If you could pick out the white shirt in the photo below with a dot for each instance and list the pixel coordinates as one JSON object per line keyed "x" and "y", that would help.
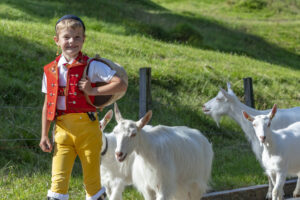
{"x": 98, "y": 72}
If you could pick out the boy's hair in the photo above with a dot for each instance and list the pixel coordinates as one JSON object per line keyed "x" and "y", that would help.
{"x": 69, "y": 21}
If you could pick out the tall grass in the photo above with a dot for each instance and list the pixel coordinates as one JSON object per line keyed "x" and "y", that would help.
{"x": 193, "y": 47}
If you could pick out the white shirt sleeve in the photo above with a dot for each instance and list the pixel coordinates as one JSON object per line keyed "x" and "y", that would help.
{"x": 100, "y": 72}
{"x": 44, "y": 83}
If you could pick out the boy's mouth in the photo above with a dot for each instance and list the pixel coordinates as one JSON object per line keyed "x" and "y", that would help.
{"x": 72, "y": 47}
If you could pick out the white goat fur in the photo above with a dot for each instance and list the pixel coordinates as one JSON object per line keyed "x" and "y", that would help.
{"x": 281, "y": 151}
{"x": 115, "y": 176}
{"x": 227, "y": 103}
{"x": 170, "y": 162}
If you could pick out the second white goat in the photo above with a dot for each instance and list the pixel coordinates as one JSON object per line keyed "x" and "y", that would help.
{"x": 281, "y": 151}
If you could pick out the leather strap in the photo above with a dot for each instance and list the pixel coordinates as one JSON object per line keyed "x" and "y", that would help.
{"x": 85, "y": 74}
{"x": 106, "y": 147}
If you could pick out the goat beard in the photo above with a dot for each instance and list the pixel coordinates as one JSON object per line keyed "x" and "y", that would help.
{"x": 217, "y": 119}
{"x": 123, "y": 167}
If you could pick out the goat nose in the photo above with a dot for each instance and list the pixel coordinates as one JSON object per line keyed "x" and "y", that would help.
{"x": 119, "y": 154}
{"x": 262, "y": 138}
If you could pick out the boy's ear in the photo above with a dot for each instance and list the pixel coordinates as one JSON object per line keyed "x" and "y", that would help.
{"x": 55, "y": 39}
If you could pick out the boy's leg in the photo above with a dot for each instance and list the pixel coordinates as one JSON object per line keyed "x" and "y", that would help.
{"x": 89, "y": 149}
{"x": 62, "y": 164}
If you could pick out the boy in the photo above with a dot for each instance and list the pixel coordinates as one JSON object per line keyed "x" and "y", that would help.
{"x": 76, "y": 129}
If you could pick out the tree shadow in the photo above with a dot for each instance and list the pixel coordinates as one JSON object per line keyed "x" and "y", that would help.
{"x": 147, "y": 18}
{"x": 21, "y": 71}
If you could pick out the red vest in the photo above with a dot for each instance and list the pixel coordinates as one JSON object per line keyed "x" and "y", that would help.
{"x": 75, "y": 100}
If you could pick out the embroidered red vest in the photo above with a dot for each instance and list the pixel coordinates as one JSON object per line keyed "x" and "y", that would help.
{"x": 75, "y": 100}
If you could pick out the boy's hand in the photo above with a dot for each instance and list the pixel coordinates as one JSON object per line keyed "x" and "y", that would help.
{"x": 45, "y": 144}
{"x": 85, "y": 86}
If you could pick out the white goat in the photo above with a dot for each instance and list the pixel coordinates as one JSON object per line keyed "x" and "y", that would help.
{"x": 115, "y": 176}
{"x": 170, "y": 162}
{"x": 281, "y": 151}
{"x": 227, "y": 103}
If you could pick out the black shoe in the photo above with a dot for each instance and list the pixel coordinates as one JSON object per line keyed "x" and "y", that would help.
{"x": 52, "y": 198}
{"x": 102, "y": 197}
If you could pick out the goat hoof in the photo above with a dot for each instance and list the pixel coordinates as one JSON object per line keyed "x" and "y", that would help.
{"x": 268, "y": 197}
{"x": 296, "y": 195}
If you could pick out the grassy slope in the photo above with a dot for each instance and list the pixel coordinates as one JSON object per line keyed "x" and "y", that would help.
{"x": 193, "y": 47}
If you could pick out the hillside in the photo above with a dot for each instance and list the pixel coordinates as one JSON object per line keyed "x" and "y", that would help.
{"x": 193, "y": 48}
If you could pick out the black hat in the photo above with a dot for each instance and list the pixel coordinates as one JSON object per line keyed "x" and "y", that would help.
{"x": 71, "y": 17}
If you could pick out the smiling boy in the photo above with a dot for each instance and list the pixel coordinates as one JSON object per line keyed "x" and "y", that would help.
{"x": 76, "y": 132}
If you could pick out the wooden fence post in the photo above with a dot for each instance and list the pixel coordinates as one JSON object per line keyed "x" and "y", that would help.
{"x": 145, "y": 91}
{"x": 248, "y": 91}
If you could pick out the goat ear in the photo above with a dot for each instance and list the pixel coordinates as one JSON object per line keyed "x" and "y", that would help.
{"x": 229, "y": 90}
{"x": 272, "y": 114}
{"x": 228, "y": 86}
{"x": 144, "y": 120}
{"x": 108, "y": 115}
{"x": 273, "y": 111}
{"x": 225, "y": 93}
{"x": 247, "y": 116}
{"x": 106, "y": 119}
{"x": 118, "y": 115}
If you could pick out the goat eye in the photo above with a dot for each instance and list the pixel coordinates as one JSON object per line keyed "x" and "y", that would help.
{"x": 133, "y": 135}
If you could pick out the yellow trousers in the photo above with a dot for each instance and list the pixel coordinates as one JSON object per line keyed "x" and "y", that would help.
{"x": 76, "y": 134}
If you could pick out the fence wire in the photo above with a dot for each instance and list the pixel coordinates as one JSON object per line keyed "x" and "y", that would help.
{"x": 10, "y": 118}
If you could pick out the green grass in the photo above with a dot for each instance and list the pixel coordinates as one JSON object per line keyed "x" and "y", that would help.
{"x": 193, "y": 47}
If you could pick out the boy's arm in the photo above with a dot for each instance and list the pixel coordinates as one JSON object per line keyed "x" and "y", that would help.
{"x": 115, "y": 85}
{"x": 45, "y": 143}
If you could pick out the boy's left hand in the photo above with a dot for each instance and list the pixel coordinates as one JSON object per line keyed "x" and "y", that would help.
{"x": 85, "y": 86}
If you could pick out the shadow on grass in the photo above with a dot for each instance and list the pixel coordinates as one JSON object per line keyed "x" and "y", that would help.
{"x": 21, "y": 71}
{"x": 150, "y": 19}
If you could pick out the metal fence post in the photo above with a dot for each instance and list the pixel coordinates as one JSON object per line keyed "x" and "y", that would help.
{"x": 248, "y": 91}
{"x": 145, "y": 100}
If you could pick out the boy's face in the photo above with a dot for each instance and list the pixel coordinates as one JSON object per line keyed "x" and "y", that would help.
{"x": 70, "y": 41}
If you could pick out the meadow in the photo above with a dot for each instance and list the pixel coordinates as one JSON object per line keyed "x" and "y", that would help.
{"x": 193, "y": 48}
